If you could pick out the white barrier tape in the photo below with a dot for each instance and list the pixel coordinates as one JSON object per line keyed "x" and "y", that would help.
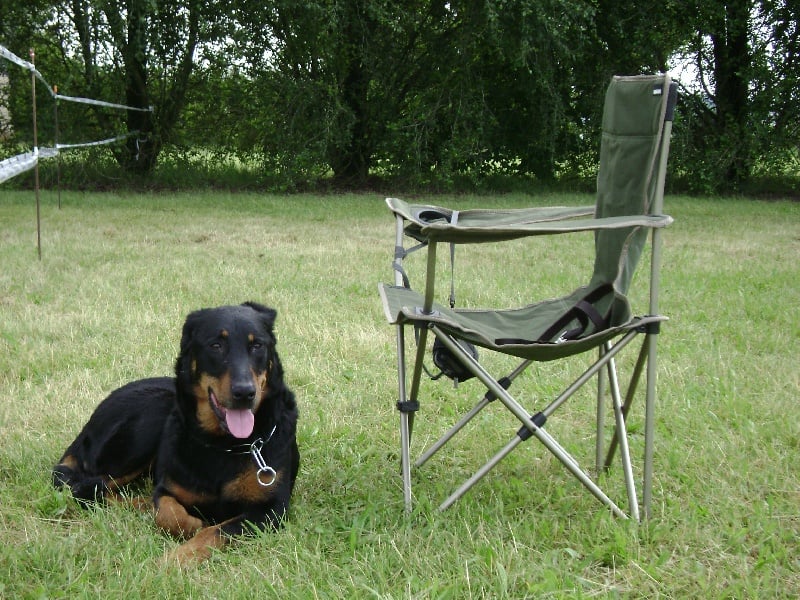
{"x": 16, "y": 165}
{"x": 11, "y": 167}
{"x": 7, "y": 54}
{"x": 98, "y": 143}
{"x": 101, "y": 103}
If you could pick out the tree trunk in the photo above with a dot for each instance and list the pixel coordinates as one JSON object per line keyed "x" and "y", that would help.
{"x": 141, "y": 151}
{"x": 351, "y": 155}
{"x": 350, "y": 161}
{"x": 731, "y": 76}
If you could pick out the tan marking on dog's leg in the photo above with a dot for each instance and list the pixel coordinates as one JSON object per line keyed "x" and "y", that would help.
{"x": 142, "y": 503}
{"x": 115, "y": 483}
{"x": 246, "y": 487}
{"x": 173, "y": 518}
{"x": 185, "y": 496}
{"x": 198, "y": 548}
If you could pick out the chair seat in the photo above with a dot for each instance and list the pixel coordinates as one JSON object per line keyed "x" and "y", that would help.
{"x": 519, "y": 331}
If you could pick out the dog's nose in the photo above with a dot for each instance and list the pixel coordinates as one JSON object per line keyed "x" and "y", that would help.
{"x": 243, "y": 392}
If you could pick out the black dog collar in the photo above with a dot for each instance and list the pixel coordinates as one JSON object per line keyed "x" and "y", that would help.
{"x": 265, "y": 475}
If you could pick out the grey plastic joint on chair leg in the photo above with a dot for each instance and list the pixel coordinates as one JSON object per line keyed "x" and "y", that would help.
{"x": 539, "y": 419}
{"x": 504, "y": 382}
{"x": 650, "y": 328}
{"x": 408, "y": 407}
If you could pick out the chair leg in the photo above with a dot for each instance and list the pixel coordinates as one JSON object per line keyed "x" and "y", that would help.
{"x": 416, "y": 376}
{"x": 536, "y": 430}
{"x": 534, "y": 425}
{"x": 464, "y": 487}
{"x": 434, "y": 448}
{"x": 489, "y": 397}
{"x": 555, "y": 448}
{"x": 405, "y": 459}
{"x": 626, "y": 406}
{"x": 622, "y": 436}
{"x": 408, "y": 404}
{"x": 649, "y": 424}
{"x": 601, "y": 417}
{"x": 406, "y": 418}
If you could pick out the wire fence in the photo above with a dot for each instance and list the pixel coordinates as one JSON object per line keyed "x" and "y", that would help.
{"x": 29, "y": 160}
{"x": 16, "y": 165}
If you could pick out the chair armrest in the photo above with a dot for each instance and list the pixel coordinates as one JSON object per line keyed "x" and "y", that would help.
{"x": 434, "y": 223}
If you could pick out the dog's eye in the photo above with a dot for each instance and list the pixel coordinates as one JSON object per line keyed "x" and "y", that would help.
{"x": 216, "y": 346}
{"x": 256, "y": 346}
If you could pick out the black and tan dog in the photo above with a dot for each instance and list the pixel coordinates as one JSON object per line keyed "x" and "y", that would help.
{"x": 219, "y": 438}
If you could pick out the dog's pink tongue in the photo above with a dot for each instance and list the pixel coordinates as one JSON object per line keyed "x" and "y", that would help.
{"x": 240, "y": 422}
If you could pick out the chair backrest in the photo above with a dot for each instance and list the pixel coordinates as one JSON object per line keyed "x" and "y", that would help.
{"x": 636, "y": 127}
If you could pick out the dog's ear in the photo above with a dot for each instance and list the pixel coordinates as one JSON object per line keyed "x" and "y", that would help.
{"x": 183, "y": 361}
{"x": 267, "y": 314}
{"x": 188, "y": 330}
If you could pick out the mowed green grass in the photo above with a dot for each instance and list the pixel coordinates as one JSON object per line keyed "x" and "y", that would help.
{"x": 119, "y": 273}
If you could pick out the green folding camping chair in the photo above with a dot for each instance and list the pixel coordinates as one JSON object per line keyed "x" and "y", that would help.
{"x": 596, "y": 319}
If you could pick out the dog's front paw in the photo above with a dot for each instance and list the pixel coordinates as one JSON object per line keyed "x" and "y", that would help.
{"x": 196, "y": 550}
{"x": 186, "y": 555}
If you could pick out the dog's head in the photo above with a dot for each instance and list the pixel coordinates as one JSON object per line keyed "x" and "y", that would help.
{"x": 227, "y": 360}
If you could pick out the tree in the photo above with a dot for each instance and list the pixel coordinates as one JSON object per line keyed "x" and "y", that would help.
{"x": 155, "y": 43}
{"x": 335, "y": 73}
{"x": 140, "y": 53}
{"x": 743, "y": 114}
{"x": 416, "y": 88}
{"x": 775, "y": 88}
{"x": 423, "y": 91}
{"x": 728, "y": 30}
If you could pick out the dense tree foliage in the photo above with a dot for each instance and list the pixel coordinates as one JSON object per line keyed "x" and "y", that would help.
{"x": 422, "y": 91}
{"x": 742, "y": 117}
{"x": 140, "y": 53}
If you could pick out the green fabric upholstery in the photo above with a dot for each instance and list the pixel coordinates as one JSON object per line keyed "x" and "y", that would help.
{"x": 626, "y": 192}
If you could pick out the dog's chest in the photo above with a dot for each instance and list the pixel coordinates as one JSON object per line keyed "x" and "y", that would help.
{"x": 250, "y": 486}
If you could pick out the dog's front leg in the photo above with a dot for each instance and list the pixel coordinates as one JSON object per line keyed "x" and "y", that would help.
{"x": 172, "y": 516}
{"x": 207, "y": 539}
{"x": 199, "y": 548}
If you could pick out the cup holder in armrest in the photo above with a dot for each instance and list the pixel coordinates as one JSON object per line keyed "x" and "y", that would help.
{"x": 431, "y": 215}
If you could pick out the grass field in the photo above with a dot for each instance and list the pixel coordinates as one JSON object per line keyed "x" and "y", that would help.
{"x": 119, "y": 273}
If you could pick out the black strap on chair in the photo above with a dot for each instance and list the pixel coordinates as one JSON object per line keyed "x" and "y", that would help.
{"x": 584, "y": 311}
{"x": 449, "y": 364}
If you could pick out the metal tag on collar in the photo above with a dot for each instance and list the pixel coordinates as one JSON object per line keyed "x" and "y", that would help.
{"x": 264, "y": 470}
